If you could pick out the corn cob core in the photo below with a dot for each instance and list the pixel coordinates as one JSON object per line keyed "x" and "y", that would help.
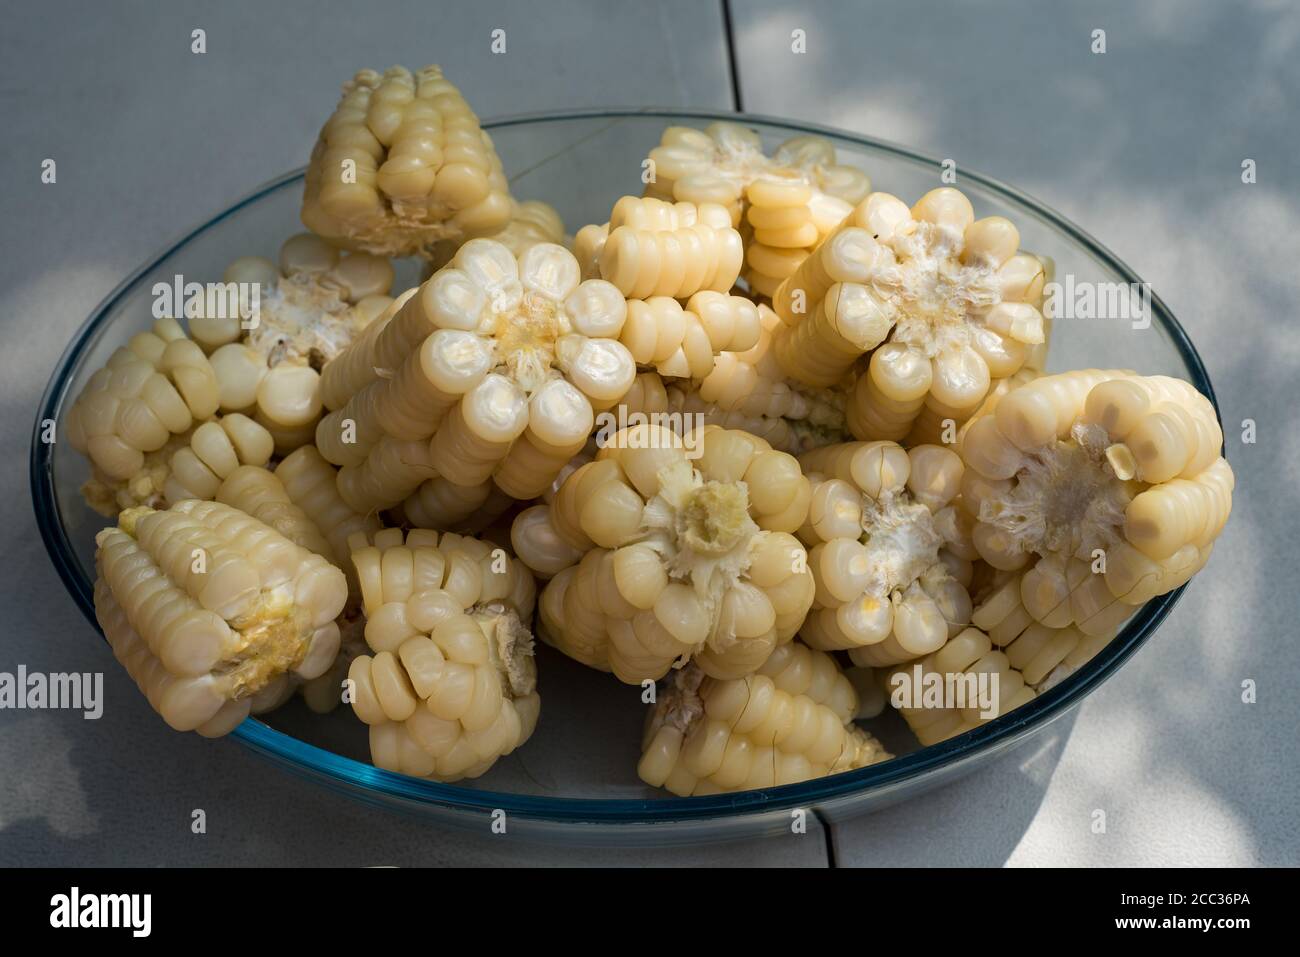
{"x": 210, "y": 609}
{"x": 451, "y": 686}
{"x": 790, "y": 721}
{"x": 491, "y": 371}
{"x": 885, "y": 540}
{"x": 956, "y": 302}
{"x": 659, "y": 559}
{"x": 401, "y": 164}
{"x": 1104, "y": 487}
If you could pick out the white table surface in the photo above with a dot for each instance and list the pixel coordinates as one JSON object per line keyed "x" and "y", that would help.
{"x": 1141, "y": 146}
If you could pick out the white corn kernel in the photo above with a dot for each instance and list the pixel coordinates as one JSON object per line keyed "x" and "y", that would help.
{"x": 655, "y": 558}
{"x": 881, "y": 529}
{"x": 205, "y": 636}
{"x": 1096, "y": 463}
{"x": 953, "y": 304}
{"x": 423, "y": 169}
{"x": 451, "y": 684}
{"x": 789, "y": 721}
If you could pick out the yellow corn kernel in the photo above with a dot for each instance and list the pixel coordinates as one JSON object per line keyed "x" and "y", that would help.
{"x": 451, "y": 684}
{"x": 401, "y": 164}
{"x": 262, "y": 495}
{"x": 790, "y": 721}
{"x": 961, "y": 664}
{"x": 211, "y": 610}
{"x": 438, "y": 504}
{"x": 1105, "y": 488}
{"x": 677, "y": 558}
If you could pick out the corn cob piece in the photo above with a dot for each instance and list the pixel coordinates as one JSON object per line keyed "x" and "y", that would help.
{"x": 356, "y": 367}
{"x": 1043, "y": 654}
{"x": 497, "y": 366}
{"x": 155, "y": 387}
{"x": 967, "y": 658}
{"x": 885, "y": 540}
{"x": 943, "y": 303}
{"x": 190, "y": 465}
{"x": 311, "y": 484}
{"x": 658, "y": 559}
{"x": 401, "y": 164}
{"x": 210, "y": 610}
{"x": 263, "y": 495}
{"x": 438, "y": 504}
{"x": 652, "y": 248}
{"x": 260, "y": 494}
{"x": 784, "y": 204}
{"x": 790, "y": 721}
{"x": 1103, "y": 488}
{"x": 451, "y": 686}
{"x": 310, "y": 308}
{"x": 682, "y": 341}
{"x": 748, "y": 391}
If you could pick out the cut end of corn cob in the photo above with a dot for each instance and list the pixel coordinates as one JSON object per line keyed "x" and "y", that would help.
{"x": 677, "y": 559}
{"x": 957, "y": 303}
{"x": 491, "y": 371}
{"x": 885, "y": 543}
{"x": 1104, "y": 488}
{"x": 401, "y": 164}
{"x": 212, "y": 611}
{"x": 790, "y": 721}
{"x": 451, "y": 684}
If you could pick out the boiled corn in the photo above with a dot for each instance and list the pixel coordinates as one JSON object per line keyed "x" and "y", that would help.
{"x": 190, "y": 465}
{"x": 401, "y": 164}
{"x": 969, "y": 655}
{"x": 790, "y": 721}
{"x": 957, "y": 303}
{"x": 1104, "y": 488}
{"x": 748, "y": 391}
{"x": 155, "y": 387}
{"x": 784, "y": 204}
{"x": 653, "y": 248}
{"x": 494, "y": 371}
{"x": 658, "y": 559}
{"x": 451, "y": 686}
{"x": 209, "y": 609}
{"x": 889, "y": 552}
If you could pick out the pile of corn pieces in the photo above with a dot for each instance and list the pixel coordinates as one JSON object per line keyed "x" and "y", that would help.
{"x": 766, "y": 440}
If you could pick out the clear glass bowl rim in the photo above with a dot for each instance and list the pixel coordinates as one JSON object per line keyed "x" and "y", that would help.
{"x": 339, "y": 771}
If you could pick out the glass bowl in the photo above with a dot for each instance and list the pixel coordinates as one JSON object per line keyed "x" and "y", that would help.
{"x": 575, "y": 781}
